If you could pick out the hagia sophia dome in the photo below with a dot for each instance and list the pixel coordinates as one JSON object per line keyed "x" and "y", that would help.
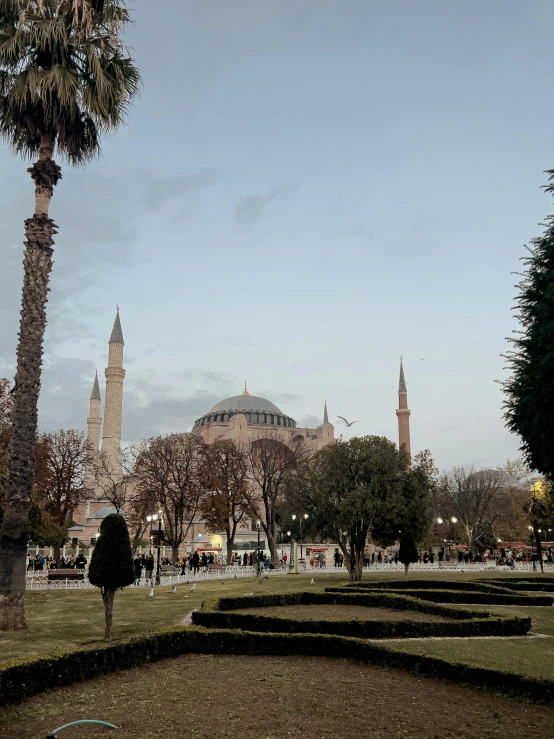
{"x": 257, "y": 410}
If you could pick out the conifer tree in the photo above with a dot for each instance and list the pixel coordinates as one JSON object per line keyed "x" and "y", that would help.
{"x": 111, "y": 567}
{"x": 408, "y": 553}
{"x": 529, "y": 404}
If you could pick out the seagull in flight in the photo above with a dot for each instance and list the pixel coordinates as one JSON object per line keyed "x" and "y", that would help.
{"x": 348, "y": 423}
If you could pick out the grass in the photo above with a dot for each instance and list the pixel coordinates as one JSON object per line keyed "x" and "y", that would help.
{"x": 530, "y": 657}
{"x": 324, "y": 612}
{"x": 217, "y": 696}
{"x": 64, "y": 620}
{"x": 69, "y": 619}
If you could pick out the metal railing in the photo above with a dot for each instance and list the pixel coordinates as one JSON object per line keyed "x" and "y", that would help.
{"x": 39, "y": 580}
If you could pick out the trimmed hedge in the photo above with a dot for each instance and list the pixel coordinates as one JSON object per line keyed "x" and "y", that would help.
{"x": 341, "y": 596}
{"x": 544, "y": 584}
{"x": 219, "y": 614}
{"x": 453, "y": 596}
{"x": 19, "y": 680}
{"x": 488, "y": 587}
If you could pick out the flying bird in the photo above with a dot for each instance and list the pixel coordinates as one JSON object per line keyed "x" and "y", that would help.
{"x": 193, "y": 588}
{"x": 151, "y": 594}
{"x": 342, "y": 418}
{"x": 312, "y": 582}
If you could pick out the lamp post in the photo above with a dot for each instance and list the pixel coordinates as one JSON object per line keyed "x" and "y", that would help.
{"x": 258, "y": 527}
{"x": 304, "y": 516}
{"x": 449, "y": 523}
{"x": 152, "y": 519}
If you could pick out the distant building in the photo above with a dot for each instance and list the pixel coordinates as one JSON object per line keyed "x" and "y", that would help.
{"x": 243, "y": 418}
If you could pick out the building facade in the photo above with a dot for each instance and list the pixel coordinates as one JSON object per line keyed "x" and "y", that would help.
{"x": 242, "y": 418}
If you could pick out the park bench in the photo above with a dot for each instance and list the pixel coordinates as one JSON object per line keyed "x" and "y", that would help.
{"x": 54, "y": 575}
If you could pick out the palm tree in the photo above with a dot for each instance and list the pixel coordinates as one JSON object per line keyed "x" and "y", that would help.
{"x": 65, "y": 78}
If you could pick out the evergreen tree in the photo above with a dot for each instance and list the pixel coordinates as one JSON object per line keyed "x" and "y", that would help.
{"x": 530, "y": 390}
{"x": 408, "y": 553}
{"x": 111, "y": 566}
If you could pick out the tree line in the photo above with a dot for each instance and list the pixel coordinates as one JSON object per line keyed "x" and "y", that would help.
{"x": 353, "y": 492}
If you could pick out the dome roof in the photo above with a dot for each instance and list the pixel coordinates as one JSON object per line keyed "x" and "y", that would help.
{"x": 257, "y": 411}
{"x": 245, "y": 404}
{"x": 103, "y": 512}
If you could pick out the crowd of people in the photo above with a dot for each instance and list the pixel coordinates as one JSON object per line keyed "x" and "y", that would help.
{"x": 40, "y": 563}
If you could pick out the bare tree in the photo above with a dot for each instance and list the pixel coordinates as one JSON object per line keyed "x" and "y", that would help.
{"x": 274, "y": 458}
{"x": 109, "y": 483}
{"x": 471, "y": 496}
{"x": 167, "y": 476}
{"x": 59, "y": 469}
{"x": 225, "y": 476}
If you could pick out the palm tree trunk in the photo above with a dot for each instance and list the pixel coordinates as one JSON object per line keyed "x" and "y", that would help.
{"x": 37, "y": 265}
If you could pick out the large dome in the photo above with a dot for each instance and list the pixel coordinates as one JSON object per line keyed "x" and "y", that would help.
{"x": 244, "y": 403}
{"x": 257, "y": 411}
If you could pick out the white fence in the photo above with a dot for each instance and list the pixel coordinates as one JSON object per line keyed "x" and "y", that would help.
{"x": 39, "y": 580}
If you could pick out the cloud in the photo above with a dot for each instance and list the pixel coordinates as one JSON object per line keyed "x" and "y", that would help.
{"x": 252, "y": 208}
{"x": 364, "y": 231}
{"x": 418, "y": 240}
{"x": 280, "y": 397}
{"x": 99, "y": 224}
{"x": 158, "y": 192}
{"x": 309, "y": 421}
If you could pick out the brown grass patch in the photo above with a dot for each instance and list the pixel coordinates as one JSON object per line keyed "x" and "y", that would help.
{"x": 211, "y": 696}
{"x": 336, "y": 612}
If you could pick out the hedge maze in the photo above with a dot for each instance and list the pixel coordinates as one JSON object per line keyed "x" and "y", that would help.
{"x": 222, "y": 627}
{"x": 222, "y": 614}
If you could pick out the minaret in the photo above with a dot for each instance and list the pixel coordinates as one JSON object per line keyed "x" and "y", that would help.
{"x": 94, "y": 421}
{"x": 113, "y": 406}
{"x": 325, "y": 416}
{"x": 403, "y": 412}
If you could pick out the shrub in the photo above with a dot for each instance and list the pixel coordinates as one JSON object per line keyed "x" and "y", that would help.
{"x": 111, "y": 567}
{"x": 19, "y": 680}
{"x": 408, "y": 553}
{"x": 465, "y": 597}
{"x": 220, "y": 615}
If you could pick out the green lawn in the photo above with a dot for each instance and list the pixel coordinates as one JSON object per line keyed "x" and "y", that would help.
{"x": 69, "y": 619}
{"x": 64, "y": 620}
{"x": 530, "y": 657}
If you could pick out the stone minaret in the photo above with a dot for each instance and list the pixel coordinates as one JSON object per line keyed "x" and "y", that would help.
{"x": 94, "y": 421}
{"x": 325, "y": 416}
{"x": 113, "y": 406}
{"x": 403, "y": 412}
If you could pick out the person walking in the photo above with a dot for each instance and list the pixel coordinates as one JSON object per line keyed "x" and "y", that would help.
{"x": 149, "y": 567}
{"x": 137, "y": 564}
{"x": 195, "y": 563}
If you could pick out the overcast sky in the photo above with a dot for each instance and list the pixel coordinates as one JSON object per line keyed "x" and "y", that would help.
{"x": 306, "y": 190}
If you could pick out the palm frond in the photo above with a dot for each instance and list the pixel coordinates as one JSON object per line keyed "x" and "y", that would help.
{"x": 64, "y": 71}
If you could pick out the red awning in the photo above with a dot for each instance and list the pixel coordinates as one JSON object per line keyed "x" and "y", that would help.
{"x": 317, "y": 549}
{"x": 458, "y": 546}
{"x": 208, "y": 549}
{"x": 512, "y": 545}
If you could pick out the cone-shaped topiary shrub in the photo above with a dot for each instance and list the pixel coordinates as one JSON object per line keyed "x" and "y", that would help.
{"x": 408, "y": 553}
{"x": 111, "y": 567}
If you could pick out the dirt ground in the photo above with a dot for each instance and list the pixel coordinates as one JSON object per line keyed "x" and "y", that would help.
{"x": 340, "y": 613}
{"x": 209, "y": 696}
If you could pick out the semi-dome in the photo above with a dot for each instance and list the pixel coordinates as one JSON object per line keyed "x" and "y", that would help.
{"x": 257, "y": 410}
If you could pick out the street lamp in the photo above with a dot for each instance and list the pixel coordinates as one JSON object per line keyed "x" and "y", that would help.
{"x": 449, "y": 523}
{"x": 304, "y": 516}
{"x": 152, "y": 519}
{"x": 258, "y": 527}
